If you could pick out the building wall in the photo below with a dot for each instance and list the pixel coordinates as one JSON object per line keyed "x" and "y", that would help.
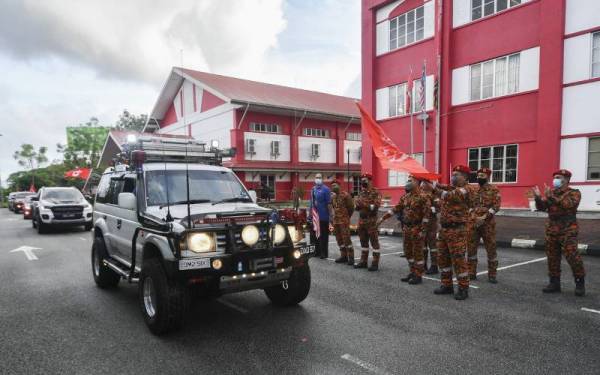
{"x": 550, "y": 117}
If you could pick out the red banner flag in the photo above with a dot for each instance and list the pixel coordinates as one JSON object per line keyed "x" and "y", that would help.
{"x": 32, "y": 188}
{"x": 81, "y": 173}
{"x": 388, "y": 153}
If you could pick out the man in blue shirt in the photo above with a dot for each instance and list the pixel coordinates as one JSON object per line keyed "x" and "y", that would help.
{"x": 319, "y": 215}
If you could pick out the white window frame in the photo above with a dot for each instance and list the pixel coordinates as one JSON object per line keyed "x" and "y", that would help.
{"x": 509, "y": 4}
{"x": 316, "y": 132}
{"x": 588, "y": 164}
{"x": 595, "y": 39}
{"x": 353, "y": 136}
{"x": 261, "y": 127}
{"x": 510, "y": 77}
{"x": 275, "y": 146}
{"x": 491, "y": 162}
{"x": 397, "y": 178}
{"x": 397, "y": 100}
{"x": 395, "y": 34}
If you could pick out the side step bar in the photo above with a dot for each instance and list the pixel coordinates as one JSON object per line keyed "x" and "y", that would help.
{"x": 124, "y": 273}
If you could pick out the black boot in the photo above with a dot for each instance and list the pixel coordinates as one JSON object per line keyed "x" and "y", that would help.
{"x": 580, "y": 286}
{"x": 350, "y": 254}
{"x": 492, "y": 280}
{"x": 433, "y": 270}
{"x": 553, "y": 286}
{"x": 463, "y": 293}
{"x": 364, "y": 257}
{"x": 407, "y": 277}
{"x": 343, "y": 257}
{"x": 415, "y": 280}
{"x": 444, "y": 290}
{"x": 375, "y": 261}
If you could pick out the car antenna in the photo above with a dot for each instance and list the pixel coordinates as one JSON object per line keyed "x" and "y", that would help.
{"x": 187, "y": 185}
{"x": 169, "y": 218}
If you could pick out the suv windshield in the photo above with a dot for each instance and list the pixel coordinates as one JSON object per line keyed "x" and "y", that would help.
{"x": 63, "y": 195}
{"x": 23, "y": 195}
{"x": 206, "y": 186}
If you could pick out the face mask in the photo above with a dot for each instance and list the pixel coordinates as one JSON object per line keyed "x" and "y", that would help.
{"x": 336, "y": 189}
{"x": 454, "y": 180}
{"x": 409, "y": 186}
{"x": 481, "y": 181}
{"x": 318, "y": 181}
{"x": 557, "y": 182}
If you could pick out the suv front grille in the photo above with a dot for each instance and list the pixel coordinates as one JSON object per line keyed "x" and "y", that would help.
{"x": 67, "y": 212}
{"x": 239, "y": 244}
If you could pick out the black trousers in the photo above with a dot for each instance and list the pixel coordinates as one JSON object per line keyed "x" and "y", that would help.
{"x": 321, "y": 243}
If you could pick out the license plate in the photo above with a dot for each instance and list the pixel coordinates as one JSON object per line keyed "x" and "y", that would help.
{"x": 68, "y": 215}
{"x": 193, "y": 264}
{"x": 308, "y": 249}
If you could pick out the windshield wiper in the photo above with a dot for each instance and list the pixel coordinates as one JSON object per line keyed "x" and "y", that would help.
{"x": 191, "y": 201}
{"x": 236, "y": 199}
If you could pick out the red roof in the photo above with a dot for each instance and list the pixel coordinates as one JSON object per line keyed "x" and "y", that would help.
{"x": 242, "y": 90}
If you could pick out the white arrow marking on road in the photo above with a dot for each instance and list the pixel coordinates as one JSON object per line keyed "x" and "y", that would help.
{"x": 28, "y": 251}
{"x": 590, "y": 310}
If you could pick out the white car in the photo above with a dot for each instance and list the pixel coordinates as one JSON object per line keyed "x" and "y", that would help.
{"x": 60, "y": 207}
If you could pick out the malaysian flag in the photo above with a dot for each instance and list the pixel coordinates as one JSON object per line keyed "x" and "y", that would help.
{"x": 314, "y": 213}
{"x": 421, "y": 94}
{"x": 409, "y": 88}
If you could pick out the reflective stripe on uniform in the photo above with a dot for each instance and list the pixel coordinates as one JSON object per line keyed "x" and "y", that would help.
{"x": 420, "y": 262}
{"x": 447, "y": 269}
{"x": 464, "y": 274}
{"x": 473, "y": 257}
{"x": 433, "y": 250}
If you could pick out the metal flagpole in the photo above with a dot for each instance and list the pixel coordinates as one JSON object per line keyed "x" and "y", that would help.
{"x": 410, "y": 84}
{"x": 424, "y": 114}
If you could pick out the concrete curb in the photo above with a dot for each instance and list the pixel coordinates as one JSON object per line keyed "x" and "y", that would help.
{"x": 516, "y": 243}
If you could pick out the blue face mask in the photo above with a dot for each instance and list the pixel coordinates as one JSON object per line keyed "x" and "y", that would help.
{"x": 557, "y": 182}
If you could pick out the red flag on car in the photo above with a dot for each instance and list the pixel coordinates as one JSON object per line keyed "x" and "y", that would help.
{"x": 388, "y": 153}
{"x": 81, "y": 173}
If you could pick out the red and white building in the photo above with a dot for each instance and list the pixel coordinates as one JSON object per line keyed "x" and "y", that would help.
{"x": 517, "y": 82}
{"x": 282, "y": 135}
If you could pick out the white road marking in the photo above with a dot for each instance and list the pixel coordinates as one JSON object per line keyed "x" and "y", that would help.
{"x": 522, "y": 243}
{"x": 394, "y": 253}
{"x": 83, "y": 239}
{"x": 453, "y": 281}
{"x": 233, "y": 306}
{"x": 365, "y": 365}
{"x": 590, "y": 310}
{"x": 514, "y": 265}
{"x": 28, "y": 251}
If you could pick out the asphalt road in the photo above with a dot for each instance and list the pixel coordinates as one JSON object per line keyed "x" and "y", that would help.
{"x": 54, "y": 320}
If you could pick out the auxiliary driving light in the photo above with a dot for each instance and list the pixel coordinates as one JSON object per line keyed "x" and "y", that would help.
{"x": 278, "y": 234}
{"x": 217, "y": 264}
{"x": 250, "y": 235}
{"x": 295, "y": 234}
{"x": 201, "y": 242}
{"x": 297, "y": 254}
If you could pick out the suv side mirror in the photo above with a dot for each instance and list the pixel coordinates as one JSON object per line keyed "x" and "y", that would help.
{"x": 253, "y": 196}
{"x": 127, "y": 201}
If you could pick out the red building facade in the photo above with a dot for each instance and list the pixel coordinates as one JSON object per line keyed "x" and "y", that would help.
{"x": 283, "y": 136}
{"x": 503, "y": 77}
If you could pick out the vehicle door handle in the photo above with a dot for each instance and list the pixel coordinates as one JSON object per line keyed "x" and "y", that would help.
{"x": 119, "y": 222}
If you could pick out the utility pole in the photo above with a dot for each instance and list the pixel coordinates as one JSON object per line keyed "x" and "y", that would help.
{"x": 348, "y": 166}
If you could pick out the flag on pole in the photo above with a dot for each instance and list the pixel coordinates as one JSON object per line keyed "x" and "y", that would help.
{"x": 423, "y": 82}
{"x": 314, "y": 213}
{"x": 32, "y": 188}
{"x": 388, "y": 153}
{"x": 409, "y": 88}
{"x": 81, "y": 173}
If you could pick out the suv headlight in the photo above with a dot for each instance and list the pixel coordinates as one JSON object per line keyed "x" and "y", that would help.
{"x": 250, "y": 235}
{"x": 201, "y": 242}
{"x": 295, "y": 234}
{"x": 278, "y": 234}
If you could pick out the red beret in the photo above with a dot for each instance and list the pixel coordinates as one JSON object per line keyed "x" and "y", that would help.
{"x": 485, "y": 170}
{"x": 367, "y": 176}
{"x": 563, "y": 172}
{"x": 462, "y": 169}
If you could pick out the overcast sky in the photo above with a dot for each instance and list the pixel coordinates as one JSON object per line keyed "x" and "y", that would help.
{"x": 64, "y": 61}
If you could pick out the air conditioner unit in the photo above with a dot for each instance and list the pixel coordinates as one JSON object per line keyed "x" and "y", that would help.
{"x": 360, "y": 154}
{"x": 275, "y": 148}
{"x": 314, "y": 151}
{"x": 251, "y": 146}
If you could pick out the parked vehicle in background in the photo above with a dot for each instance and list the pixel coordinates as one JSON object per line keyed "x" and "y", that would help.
{"x": 27, "y": 207}
{"x": 19, "y": 201}
{"x": 60, "y": 207}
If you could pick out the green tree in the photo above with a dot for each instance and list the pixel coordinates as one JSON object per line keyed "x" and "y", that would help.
{"x": 31, "y": 159}
{"x": 84, "y": 144}
{"x": 130, "y": 122}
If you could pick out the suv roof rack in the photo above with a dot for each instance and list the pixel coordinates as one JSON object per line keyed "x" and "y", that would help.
{"x": 177, "y": 150}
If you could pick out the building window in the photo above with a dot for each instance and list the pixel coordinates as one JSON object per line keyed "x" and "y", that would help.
{"x": 264, "y": 128}
{"x": 314, "y": 151}
{"x": 484, "y": 8}
{"x": 275, "y": 149}
{"x": 354, "y": 136}
{"x": 267, "y": 187}
{"x": 312, "y": 132}
{"x": 495, "y": 77}
{"x": 594, "y": 159}
{"x": 396, "y": 178}
{"x": 355, "y": 185}
{"x": 596, "y": 55}
{"x": 407, "y": 28}
{"x": 502, "y": 160}
{"x": 397, "y": 100}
